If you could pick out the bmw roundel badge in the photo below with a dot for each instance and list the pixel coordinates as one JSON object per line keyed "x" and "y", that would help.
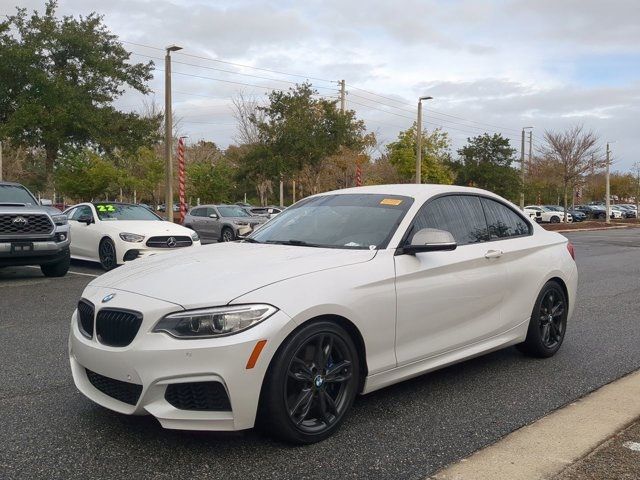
{"x": 108, "y": 298}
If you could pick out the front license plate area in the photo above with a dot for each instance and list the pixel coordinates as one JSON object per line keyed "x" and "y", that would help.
{"x": 21, "y": 247}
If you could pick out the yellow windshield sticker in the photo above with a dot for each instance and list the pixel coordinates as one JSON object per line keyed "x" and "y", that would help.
{"x": 391, "y": 201}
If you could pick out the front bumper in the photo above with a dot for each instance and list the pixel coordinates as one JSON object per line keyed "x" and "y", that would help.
{"x": 156, "y": 360}
{"x": 44, "y": 251}
{"x": 141, "y": 251}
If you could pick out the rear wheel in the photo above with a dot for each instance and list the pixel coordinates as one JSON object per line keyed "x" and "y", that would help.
{"x": 310, "y": 385}
{"x": 548, "y": 322}
{"x": 59, "y": 268}
{"x": 107, "y": 254}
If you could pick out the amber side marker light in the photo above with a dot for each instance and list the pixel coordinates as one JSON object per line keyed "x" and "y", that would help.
{"x": 253, "y": 359}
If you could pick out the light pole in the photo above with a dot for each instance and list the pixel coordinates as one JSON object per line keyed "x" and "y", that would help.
{"x": 419, "y": 141}
{"x": 168, "y": 134}
{"x": 522, "y": 169}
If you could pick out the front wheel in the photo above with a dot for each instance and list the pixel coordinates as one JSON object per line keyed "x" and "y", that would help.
{"x": 227, "y": 235}
{"x": 548, "y": 322}
{"x": 310, "y": 385}
{"x": 107, "y": 254}
{"x": 59, "y": 268}
{"x": 555, "y": 219}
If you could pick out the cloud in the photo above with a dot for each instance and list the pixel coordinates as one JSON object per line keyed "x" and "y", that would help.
{"x": 505, "y": 63}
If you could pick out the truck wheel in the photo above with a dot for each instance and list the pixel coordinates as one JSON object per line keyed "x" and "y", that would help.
{"x": 57, "y": 269}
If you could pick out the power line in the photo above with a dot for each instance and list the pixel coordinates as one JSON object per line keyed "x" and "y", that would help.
{"x": 234, "y": 64}
{"x": 402, "y": 102}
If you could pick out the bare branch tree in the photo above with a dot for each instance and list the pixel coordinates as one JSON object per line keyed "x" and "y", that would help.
{"x": 246, "y": 112}
{"x": 575, "y": 152}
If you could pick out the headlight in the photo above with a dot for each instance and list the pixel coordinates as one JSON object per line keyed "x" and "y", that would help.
{"x": 195, "y": 237}
{"x": 213, "y": 322}
{"x": 59, "y": 219}
{"x": 131, "y": 237}
{"x": 240, "y": 224}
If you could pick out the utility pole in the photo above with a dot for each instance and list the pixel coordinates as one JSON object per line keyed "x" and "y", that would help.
{"x": 343, "y": 98}
{"x": 607, "y": 193}
{"x": 530, "y": 145}
{"x": 522, "y": 168}
{"x": 168, "y": 133}
{"x": 419, "y": 141}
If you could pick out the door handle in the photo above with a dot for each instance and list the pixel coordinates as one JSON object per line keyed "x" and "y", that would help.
{"x": 493, "y": 254}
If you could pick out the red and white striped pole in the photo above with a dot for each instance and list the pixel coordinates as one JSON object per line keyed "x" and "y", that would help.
{"x": 358, "y": 176}
{"x": 183, "y": 206}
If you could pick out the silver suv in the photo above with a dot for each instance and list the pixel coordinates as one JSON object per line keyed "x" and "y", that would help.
{"x": 31, "y": 233}
{"x": 223, "y": 223}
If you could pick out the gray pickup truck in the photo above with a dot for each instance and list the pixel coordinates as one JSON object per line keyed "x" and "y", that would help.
{"x": 31, "y": 233}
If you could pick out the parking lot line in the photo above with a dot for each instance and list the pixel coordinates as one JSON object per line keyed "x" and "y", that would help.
{"x": 74, "y": 273}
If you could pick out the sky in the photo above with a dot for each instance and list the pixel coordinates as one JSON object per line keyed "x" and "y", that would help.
{"x": 492, "y": 65}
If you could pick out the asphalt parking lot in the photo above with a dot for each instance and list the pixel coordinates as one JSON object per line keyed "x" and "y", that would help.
{"x": 49, "y": 430}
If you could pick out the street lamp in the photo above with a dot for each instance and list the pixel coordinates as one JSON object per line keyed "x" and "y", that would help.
{"x": 168, "y": 135}
{"x": 522, "y": 169}
{"x": 419, "y": 141}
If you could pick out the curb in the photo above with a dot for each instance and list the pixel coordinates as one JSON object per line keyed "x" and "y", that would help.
{"x": 551, "y": 444}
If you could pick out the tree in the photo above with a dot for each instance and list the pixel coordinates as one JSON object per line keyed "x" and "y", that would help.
{"x": 211, "y": 182}
{"x": 299, "y": 130}
{"x": 59, "y": 79}
{"x": 435, "y": 156}
{"x": 485, "y": 162}
{"x": 85, "y": 175}
{"x": 575, "y": 153}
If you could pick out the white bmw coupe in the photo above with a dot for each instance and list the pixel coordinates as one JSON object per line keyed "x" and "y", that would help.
{"x": 114, "y": 233}
{"x": 343, "y": 293}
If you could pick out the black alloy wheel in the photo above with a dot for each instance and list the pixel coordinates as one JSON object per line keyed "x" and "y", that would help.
{"x": 555, "y": 219}
{"x": 107, "y": 254}
{"x": 228, "y": 235}
{"x": 548, "y": 323}
{"x": 311, "y": 384}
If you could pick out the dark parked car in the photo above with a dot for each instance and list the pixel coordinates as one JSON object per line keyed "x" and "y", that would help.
{"x": 591, "y": 211}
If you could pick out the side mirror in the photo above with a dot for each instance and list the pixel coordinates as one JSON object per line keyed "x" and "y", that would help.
{"x": 430, "y": 240}
{"x": 45, "y": 202}
{"x": 213, "y": 215}
{"x": 88, "y": 219}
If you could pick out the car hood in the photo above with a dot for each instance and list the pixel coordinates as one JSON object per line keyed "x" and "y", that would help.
{"x": 147, "y": 228}
{"x": 22, "y": 208}
{"x": 216, "y": 274}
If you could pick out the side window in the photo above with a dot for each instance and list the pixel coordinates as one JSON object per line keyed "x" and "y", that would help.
{"x": 196, "y": 212}
{"x": 461, "y": 215}
{"x": 70, "y": 214}
{"x": 210, "y": 211}
{"x": 502, "y": 221}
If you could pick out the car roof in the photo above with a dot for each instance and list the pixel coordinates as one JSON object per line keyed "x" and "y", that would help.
{"x": 13, "y": 184}
{"x": 417, "y": 191}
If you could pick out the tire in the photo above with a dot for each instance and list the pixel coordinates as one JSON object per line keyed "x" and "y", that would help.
{"x": 107, "y": 254}
{"x": 301, "y": 403}
{"x": 59, "y": 268}
{"x": 227, "y": 235}
{"x": 548, "y": 323}
{"x": 555, "y": 219}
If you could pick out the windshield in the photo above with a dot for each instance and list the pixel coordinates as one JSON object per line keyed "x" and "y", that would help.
{"x": 232, "y": 211}
{"x": 358, "y": 221}
{"x": 123, "y": 211}
{"x": 16, "y": 194}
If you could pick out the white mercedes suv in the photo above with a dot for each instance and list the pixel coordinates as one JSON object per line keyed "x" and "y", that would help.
{"x": 341, "y": 294}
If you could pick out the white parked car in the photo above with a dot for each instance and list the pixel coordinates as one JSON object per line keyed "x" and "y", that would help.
{"x": 546, "y": 214}
{"x": 113, "y": 233}
{"x": 341, "y": 294}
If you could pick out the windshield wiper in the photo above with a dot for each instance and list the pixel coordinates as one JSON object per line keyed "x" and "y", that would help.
{"x": 250, "y": 240}
{"x": 299, "y": 243}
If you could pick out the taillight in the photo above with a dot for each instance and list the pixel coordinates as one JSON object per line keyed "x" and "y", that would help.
{"x": 572, "y": 250}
